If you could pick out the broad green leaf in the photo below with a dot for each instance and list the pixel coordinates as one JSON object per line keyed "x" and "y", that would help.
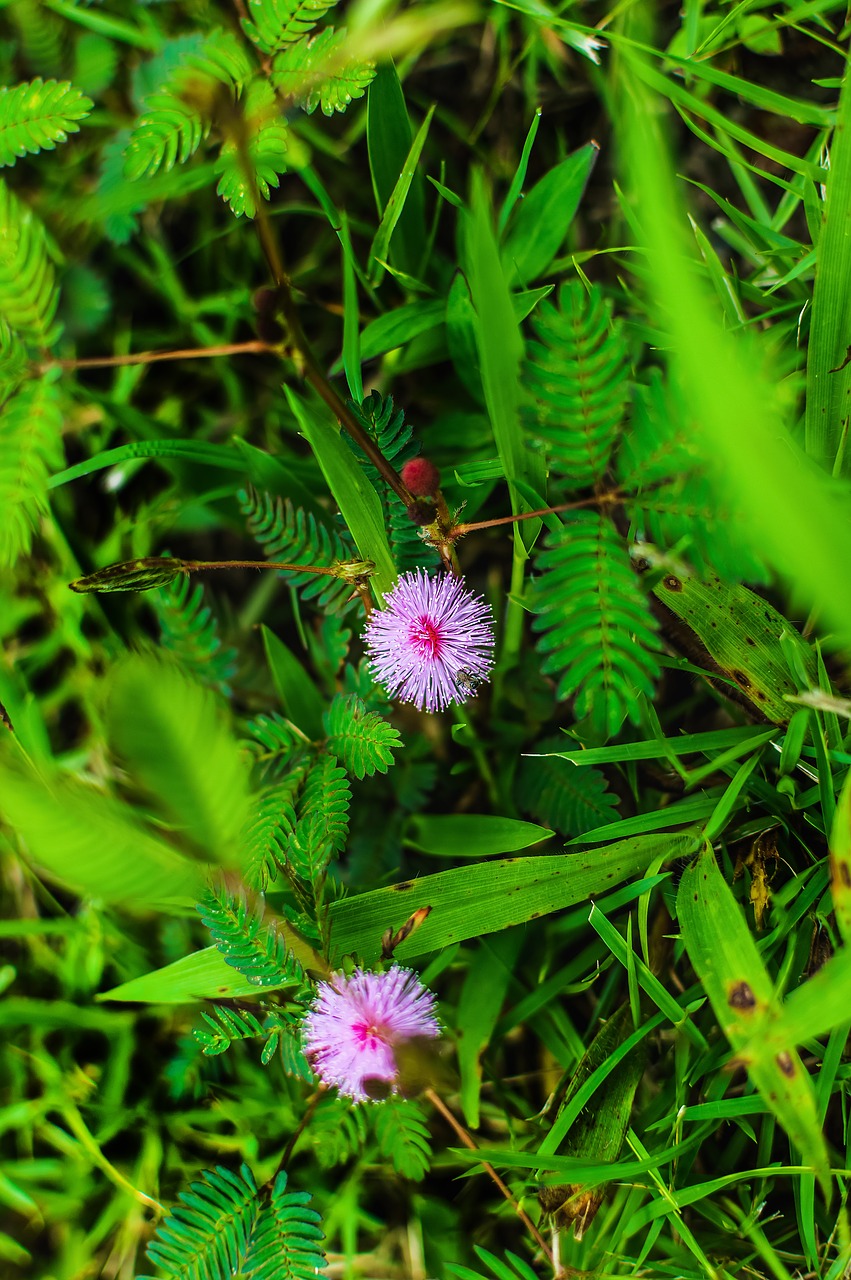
{"x": 355, "y": 496}
{"x": 395, "y": 205}
{"x": 542, "y": 220}
{"x": 388, "y": 136}
{"x": 173, "y": 740}
{"x": 471, "y": 901}
{"x": 500, "y": 351}
{"x": 741, "y": 632}
{"x": 840, "y": 862}
{"x": 301, "y": 700}
{"x": 740, "y": 419}
{"x": 86, "y": 839}
{"x": 828, "y": 371}
{"x": 472, "y": 835}
{"x": 482, "y": 995}
{"x": 204, "y": 975}
{"x": 726, "y": 958}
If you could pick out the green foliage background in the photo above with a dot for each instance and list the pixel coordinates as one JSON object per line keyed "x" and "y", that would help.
{"x": 595, "y": 265}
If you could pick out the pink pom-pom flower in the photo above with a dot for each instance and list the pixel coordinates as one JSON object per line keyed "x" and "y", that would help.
{"x": 357, "y": 1024}
{"x": 432, "y": 643}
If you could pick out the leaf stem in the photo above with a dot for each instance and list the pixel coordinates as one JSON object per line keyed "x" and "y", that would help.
{"x": 255, "y": 347}
{"x": 438, "y": 1103}
{"x": 599, "y": 500}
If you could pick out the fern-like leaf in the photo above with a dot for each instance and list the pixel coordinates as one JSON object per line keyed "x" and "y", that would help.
{"x": 323, "y": 819}
{"x": 276, "y": 23}
{"x": 577, "y": 375}
{"x": 361, "y": 739}
{"x": 403, "y": 1137}
{"x": 314, "y": 71}
{"x": 337, "y": 1131}
{"x": 288, "y": 534}
{"x": 599, "y": 631}
{"x": 557, "y": 794}
{"x": 206, "y": 1236}
{"x": 285, "y": 1241}
{"x": 386, "y": 425}
{"x": 176, "y": 119}
{"x": 189, "y": 631}
{"x": 30, "y": 432}
{"x": 285, "y": 1039}
{"x": 224, "y": 1027}
{"x": 254, "y": 165}
{"x": 36, "y": 115}
{"x": 28, "y": 293}
{"x": 674, "y": 501}
{"x": 256, "y": 950}
{"x": 267, "y": 835}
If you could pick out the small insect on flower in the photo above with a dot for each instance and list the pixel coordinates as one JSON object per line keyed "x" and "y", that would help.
{"x": 432, "y": 643}
{"x": 359, "y": 1025}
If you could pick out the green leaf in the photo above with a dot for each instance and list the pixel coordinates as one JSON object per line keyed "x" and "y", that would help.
{"x": 30, "y": 447}
{"x": 173, "y": 740}
{"x": 255, "y": 949}
{"x": 85, "y": 838}
{"x": 301, "y": 700}
{"x": 36, "y": 115}
{"x": 828, "y": 373}
{"x": 577, "y": 375}
{"x": 28, "y": 293}
{"x": 542, "y": 220}
{"x": 388, "y": 137}
{"x": 728, "y": 963}
{"x": 208, "y": 1234}
{"x": 741, "y": 632}
{"x": 472, "y": 835}
{"x": 396, "y": 203}
{"x": 599, "y": 631}
{"x": 284, "y": 1244}
{"x": 276, "y": 23}
{"x": 403, "y": 1137}
{"x": 558, "y": 794}
{"x": 361, "y": 739}
{"x": 840, "y": 862}
{"x": 355, "y": 496}
{"x": 316, "y": 70}
{"x": 471, "y": 901}
{"x": 483, "y": 992}
{"x": 252, "y": 161}
{"x": 500, "y": 353}
{"x": 203, "y": 975}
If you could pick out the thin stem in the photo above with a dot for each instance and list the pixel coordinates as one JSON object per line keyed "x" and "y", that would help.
{"x": 599, "y": 500}
{"x": 468, "y": 1142}
{"x": 254, "y": 347}
{"x": 312, "y": 370}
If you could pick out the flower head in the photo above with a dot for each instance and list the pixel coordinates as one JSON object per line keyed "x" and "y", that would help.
{"x": 357, "y": 1023}
{"x": 432, "y": 643}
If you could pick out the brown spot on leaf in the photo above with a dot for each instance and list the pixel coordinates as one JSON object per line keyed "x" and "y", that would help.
{"x": 741, "y": 678}
{"x": 741, "y": 996}
{"x": 841, "y": 872}
{"x": 785, "y": 1063}
{"x": 672, "y": 583}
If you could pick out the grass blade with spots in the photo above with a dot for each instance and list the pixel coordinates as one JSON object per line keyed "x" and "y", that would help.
{"x": 727, "y": 961}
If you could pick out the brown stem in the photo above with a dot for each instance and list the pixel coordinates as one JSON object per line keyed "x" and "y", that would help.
{"x": 312, "y": 370}
{"x": 468, "y": 1142}
{"x": 254, "y": 347}
{"x": 603, "y": 499}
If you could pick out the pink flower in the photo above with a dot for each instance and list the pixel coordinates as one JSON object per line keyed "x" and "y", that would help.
{"x": 432, "y": 643}
{"x": 356, "y": 1024}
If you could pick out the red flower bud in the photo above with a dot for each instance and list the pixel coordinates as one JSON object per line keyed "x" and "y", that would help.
{"x": 421, "y": 477}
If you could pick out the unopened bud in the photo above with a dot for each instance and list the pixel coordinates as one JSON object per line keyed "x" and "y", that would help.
{"x": 421, "y": 477}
